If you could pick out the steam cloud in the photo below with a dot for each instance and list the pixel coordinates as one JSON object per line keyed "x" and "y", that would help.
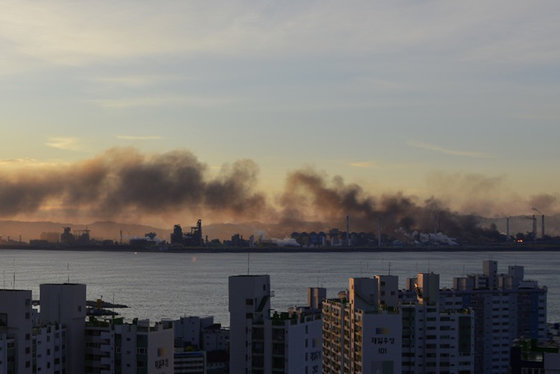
{"x": 123, "y": 181}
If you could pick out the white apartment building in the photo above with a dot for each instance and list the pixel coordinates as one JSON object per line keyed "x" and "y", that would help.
{"x": 7, "y": 350}
{"x": 15, "y": 331}
{"x": 363, "y": 333}
{"x": 199, "y": 338}
{"x": 438, "y": 337}
{"x": 505, "y": 306}
{"x": 49, "y": 350}
{"x": 188, "y": 331}
{"x": 286, "y": 342}
{"x": 114, "y": 347}
{"x": 190, "y": 362}
{"x": 65, "y": 304}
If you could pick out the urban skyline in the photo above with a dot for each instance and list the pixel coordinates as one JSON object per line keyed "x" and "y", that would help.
{"x": 476, "y": 326}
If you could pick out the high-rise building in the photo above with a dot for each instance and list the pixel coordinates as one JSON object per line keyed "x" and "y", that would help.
{"x": 250, "y": 325}
{"x": 362, "y": 333}
{"x": 506, "y": 307}
{"x": 200, "y": 345}
{"x": 49, "y": 350}
{"x": 438, "y": 337}
{"x": 261, "y": 343}
{"x": 117, "y": 347}
{"x": 65, "y": 304}
{"x": 15, "y": 331}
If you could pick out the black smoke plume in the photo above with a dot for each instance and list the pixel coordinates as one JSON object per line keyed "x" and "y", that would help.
{"x": 124, "y": 180}
{"x": 310, "y": 196}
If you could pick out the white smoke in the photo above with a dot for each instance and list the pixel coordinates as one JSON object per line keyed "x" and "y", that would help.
{"x": 286, "y": 242}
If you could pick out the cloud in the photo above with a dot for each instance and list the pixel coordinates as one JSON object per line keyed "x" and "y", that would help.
{"x": 65, "y": 143}
{"x": 363, "y": 164}
{"x": 447, "y": 151}
{"x": 67, "y": 33}
{"x": 18, "y": 161}
{"x": 158, "y": 101}
{"x": 136, "y": 137}
{"x": 136, "y": 81}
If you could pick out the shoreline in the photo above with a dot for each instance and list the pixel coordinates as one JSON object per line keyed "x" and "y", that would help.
{"x": 502, "y": 248}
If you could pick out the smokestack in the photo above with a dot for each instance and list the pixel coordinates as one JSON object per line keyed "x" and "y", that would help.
{"x": 534, "y": 227}
{"x": 379, "y": 232}
{"x": 348, "y": 231}
{"x": 507, "y": 229}
{"x": 542, "y": 225}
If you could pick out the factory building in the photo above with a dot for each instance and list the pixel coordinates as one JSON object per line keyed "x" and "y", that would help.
{"x": 191, "y": 239}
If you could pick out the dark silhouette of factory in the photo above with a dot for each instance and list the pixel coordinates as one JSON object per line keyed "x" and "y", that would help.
{"x": 80, "y": 237}
{"x": 191, "y": 239}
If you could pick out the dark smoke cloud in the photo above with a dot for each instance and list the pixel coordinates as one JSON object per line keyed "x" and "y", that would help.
{"x": 545, "y": 202}
{"x": 124, "y": 180}
{"x": 310, "y": 196}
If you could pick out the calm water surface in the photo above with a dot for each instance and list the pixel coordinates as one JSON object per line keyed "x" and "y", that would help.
{"x": 169, "y": 285}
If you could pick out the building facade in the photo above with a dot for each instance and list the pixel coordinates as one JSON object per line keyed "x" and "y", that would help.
{"x": 261, "y": 343}
{"x": 506, "y": 307}
{"x": 362, "y": 333}
{"x": 438, "y": 334}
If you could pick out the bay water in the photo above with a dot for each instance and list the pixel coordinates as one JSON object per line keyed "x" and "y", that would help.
{"x": 158, "y": 285}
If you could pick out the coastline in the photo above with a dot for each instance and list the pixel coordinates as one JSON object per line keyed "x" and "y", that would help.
{"x": 423, "y": 249}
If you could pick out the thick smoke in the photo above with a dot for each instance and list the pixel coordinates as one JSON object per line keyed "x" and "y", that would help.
{"x": 124, "y": 180}
{"x": 310, "y": 196}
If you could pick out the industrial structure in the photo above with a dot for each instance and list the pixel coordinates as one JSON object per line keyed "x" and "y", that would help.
{"x": 191, "y": 239}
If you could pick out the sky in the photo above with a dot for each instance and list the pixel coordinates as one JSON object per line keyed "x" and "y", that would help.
{"x": 457, "y": 100}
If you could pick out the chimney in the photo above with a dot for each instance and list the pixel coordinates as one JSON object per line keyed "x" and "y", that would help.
{"x": 348, "y": 231}
{"x": 379, "y": 232}
{"x": 534, "y": 227}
